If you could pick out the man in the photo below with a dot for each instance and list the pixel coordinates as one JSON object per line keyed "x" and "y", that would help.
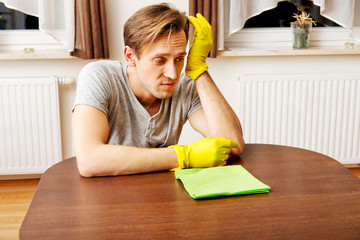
{"x": 127, "y": 119}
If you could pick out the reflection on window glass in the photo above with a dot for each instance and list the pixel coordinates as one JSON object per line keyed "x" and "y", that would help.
{"x": 12, "y": 19}
{"x": 281, "y": 16}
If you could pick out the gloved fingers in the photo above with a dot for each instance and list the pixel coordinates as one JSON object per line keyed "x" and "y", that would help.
{"x": 203, "y": 21}
{"x": 194, "y": 21}
{"x": 224, "y": 142}
{"x": 200, "y": 24}
{"x": 221, "y": 163}
{"x": 230, "y": 143}
{"x": 233, "y": 144}
{"x": 225, "y": 151}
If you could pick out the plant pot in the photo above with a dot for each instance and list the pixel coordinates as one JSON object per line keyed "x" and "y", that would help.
{"x": 301, "y": 34}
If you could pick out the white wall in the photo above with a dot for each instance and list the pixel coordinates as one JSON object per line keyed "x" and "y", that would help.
{"x": 33, "y": 68}
{"x": 223, "y": 69}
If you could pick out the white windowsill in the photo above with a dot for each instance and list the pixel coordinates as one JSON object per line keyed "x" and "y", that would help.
{"x": 37, "y": 54}
{"x": 288, "y": 51}
{"x": 13, "y": 45}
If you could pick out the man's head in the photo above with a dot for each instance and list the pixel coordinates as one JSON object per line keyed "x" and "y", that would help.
{"x": 155, "y": 38}
{"x": 151, "y": 22}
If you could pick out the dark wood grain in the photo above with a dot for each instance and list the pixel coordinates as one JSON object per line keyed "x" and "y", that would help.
{"x": 312, "y": 197}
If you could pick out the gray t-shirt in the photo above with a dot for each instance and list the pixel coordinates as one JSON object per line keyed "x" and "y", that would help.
{"x": 104, "y": 85}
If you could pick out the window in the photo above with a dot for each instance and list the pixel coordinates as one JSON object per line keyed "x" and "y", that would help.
{"x": 282, "y": 15}
{"x": 270, "y": 30}
{"x": 12, "y": 19}
{"x": 20, "y": 32}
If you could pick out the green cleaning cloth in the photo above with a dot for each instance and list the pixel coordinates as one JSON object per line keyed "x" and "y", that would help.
{"x": 219, "y": 181}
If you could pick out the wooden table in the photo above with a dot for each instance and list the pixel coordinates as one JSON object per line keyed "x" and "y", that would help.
{"x": 312, "y": 197}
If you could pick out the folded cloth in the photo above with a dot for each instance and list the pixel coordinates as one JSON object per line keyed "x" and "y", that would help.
{"x": 219, "y": 181}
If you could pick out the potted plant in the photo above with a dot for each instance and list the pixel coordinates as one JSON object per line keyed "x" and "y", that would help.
{"x": 301, "y": 28}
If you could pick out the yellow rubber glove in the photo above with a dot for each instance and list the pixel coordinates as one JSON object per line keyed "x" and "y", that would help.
{"x": 200, "y": 47}
{"x": 207, "y": 152}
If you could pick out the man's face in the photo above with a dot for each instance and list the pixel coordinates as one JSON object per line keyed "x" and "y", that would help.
{"x": 159, "y": 67}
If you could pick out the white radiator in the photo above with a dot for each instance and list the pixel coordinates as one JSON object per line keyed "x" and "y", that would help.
{"x": 318, "y": 112}
{"x": 30, "y": 139}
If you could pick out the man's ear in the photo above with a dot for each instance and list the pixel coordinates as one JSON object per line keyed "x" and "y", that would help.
{"x": 130, "y": 56}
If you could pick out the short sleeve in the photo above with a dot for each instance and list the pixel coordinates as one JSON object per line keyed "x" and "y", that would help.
{"x": 93, "y": 87}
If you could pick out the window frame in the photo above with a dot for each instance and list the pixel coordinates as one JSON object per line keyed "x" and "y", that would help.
{"x": 21, "y": 39}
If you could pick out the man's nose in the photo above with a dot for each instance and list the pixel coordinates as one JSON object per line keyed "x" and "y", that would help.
{"x": 170, "y": 71}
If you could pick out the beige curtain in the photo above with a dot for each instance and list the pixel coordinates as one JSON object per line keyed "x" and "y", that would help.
{"x": 208, "y": 8}
{"x": 91, "y": 40}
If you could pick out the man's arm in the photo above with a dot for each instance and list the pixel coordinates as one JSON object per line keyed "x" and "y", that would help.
{"x": 97, "y": 158}
{"x": 216, "y": 118}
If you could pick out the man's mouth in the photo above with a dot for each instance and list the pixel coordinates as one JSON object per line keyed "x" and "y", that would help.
{"x": 167, "y": 85}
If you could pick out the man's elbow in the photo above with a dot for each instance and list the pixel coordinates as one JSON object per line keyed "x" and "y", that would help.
{"x": 236, "y": 152}
{"x": 86, "y": 173}
{"x": 84, "y": 166}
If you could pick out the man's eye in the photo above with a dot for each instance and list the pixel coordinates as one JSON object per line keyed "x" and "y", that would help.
{"x": 159, "y": 60}
{"x": 179, "y": 59}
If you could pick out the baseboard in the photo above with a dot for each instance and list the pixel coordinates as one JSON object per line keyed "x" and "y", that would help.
{"x": 20, "y": 176}
{"x": 355, "y": 165}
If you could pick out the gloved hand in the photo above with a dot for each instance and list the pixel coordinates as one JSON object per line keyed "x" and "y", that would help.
{"x": 207, "y": 152}
{"x": 200, "y": 47}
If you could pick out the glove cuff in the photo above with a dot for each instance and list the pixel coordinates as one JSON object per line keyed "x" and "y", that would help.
{"x": 194, "y": 74}
{"x": 181, "y": 157}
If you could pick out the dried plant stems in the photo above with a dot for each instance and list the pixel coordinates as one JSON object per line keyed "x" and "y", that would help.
{"x": 303, "y": 19}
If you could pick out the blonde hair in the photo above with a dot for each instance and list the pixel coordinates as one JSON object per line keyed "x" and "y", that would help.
{"x": 150, "y": 22}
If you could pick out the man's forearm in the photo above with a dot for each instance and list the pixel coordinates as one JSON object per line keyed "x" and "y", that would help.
{"x": 221, "y": 119}
{"x": 97, "y": 158}
{"x": 111, "y": 160}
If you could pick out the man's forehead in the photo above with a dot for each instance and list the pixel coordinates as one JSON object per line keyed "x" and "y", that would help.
{"x": 174, "y": 43}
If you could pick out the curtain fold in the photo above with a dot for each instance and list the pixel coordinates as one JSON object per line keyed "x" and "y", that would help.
{"x": 344, "y": 13}
{"x": 239, "y": 11}
{"x": 208, "y": 8}
{"x": 91, "y": 40}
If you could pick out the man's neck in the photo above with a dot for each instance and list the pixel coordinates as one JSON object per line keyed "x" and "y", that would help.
{"x": 154, "y": 107}
{"x": 150, "y": 103}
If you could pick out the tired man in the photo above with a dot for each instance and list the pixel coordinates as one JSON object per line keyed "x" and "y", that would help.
{"x": 127, "y": 118}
